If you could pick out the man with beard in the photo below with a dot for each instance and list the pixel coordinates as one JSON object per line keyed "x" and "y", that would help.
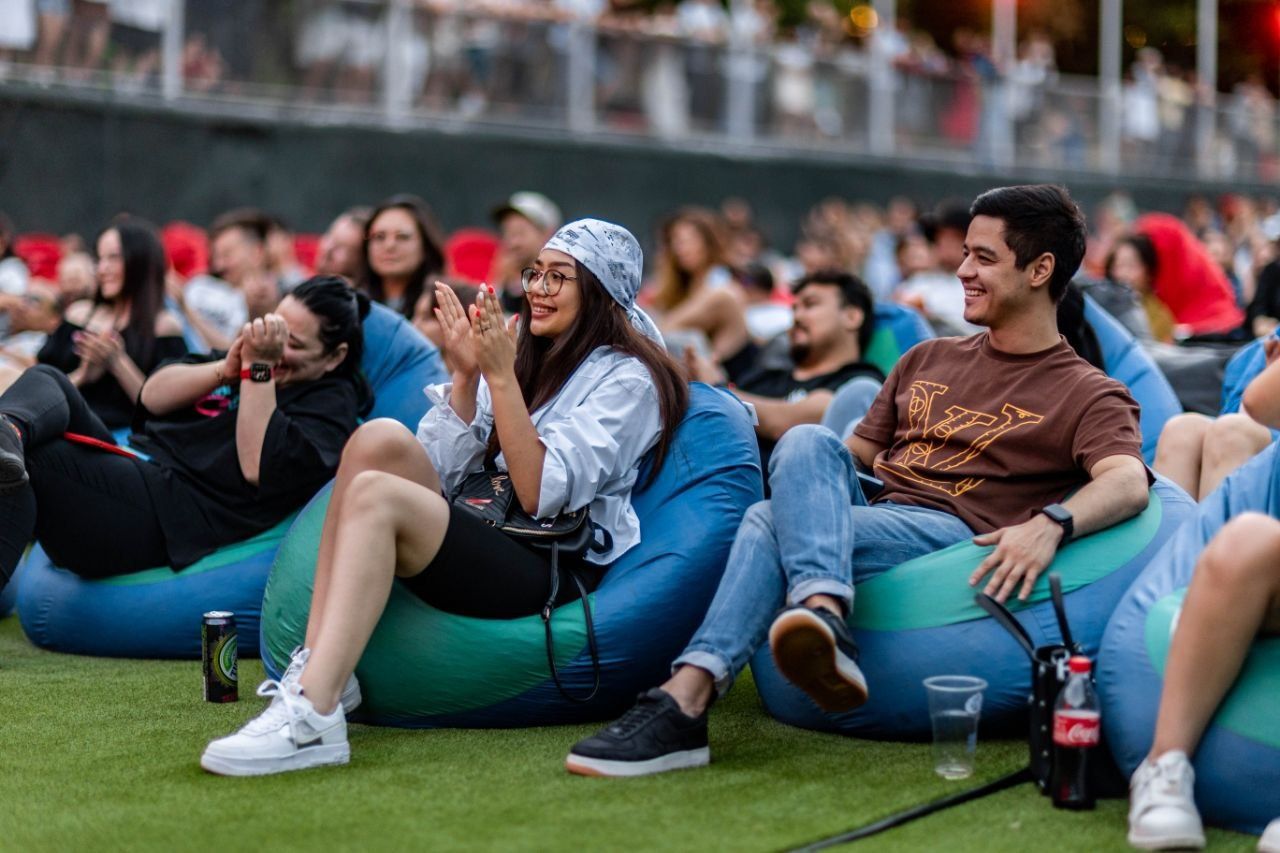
{"x": 831, "y": 329}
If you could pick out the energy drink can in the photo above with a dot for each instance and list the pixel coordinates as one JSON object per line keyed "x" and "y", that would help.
{"x": 218, "y": 640}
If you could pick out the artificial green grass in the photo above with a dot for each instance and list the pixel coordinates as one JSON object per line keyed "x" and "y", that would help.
{"x": 102, "y": 754}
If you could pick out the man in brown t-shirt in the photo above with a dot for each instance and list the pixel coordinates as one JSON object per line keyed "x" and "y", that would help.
{"x": 1007, "y": 434}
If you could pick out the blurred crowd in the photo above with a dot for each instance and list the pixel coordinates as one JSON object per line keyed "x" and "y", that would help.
{"x": 665, "y": 70}
{"x": 720, "y": 287}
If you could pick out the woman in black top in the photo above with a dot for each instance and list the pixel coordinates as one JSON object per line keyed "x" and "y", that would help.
{"x": 402, "y": 252}
{"x": 108, "y": 345}
{"x": 236, "y": 443}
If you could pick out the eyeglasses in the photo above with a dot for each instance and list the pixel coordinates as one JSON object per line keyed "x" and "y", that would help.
{"x": 552, "y": 280}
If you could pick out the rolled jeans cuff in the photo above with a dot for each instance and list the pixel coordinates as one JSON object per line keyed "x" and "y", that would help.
{"x": 821, "y": 586}
{"x": 712, "y": 663}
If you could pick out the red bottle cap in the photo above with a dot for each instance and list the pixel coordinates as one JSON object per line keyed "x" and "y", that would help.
{"x": 1079, "y": 663}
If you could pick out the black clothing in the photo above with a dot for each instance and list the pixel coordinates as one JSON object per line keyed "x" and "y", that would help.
{"x": 96, "y": 514}
{"x": 104, "y": 395}
{"x": 1266, "y": 296}
{"x": 483, "y": 573}
{"x": 100, "y": 513}
{"x": 780, "y": 384}
{"x": 203, "y": 498}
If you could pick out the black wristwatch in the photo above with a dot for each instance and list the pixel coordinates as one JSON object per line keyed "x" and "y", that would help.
{"x": 258, "y": 372}
{"x": 1061, "y": 516}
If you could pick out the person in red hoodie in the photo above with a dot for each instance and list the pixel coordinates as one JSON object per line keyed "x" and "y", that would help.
{"x": 1189, "y": 281}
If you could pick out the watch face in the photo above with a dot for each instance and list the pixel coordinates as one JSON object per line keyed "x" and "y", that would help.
{"x": 260, "y": 372}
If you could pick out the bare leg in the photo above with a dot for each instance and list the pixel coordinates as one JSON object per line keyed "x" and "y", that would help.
{"x": 692, "y": 687}
{"x": 386, "y": 526}
{"x": 1179, "y": 449}
{"x": 1234, "y": 594}
{"x": 1231, "y": 441}
{"x": 379, "y": 445}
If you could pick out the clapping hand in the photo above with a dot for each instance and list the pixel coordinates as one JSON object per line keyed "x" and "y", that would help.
{"x": 495, "y": 337}
{"x": 458, "y": 335}
{"x": 97, "y": 351}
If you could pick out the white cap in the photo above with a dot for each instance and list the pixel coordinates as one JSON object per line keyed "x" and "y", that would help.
{"x": 535, "y": 207}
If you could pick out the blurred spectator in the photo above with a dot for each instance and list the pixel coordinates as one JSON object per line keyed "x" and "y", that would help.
{"x": 342, "y": 244}
{"x": 525, "y": 222}
{"x": 13, "y": 272}
{"x": 54, "y": 15}
{"x": 1187, "y": 280}
{"x": 767, "y": 316}
{"x": 76, "y": 278}
{"x": 946, "y": 229}
{"x": 238, "y": 256}
{"x": 832, "y": 328}
{"x": 109, "y": 345}
{"x": 402, "y": 253}
{"x": 694, "y": 291}
{"x": 135, "y": 36}
{"x": 881, "y": 272}
{"x": 282, "y": 256}
{"x": 930, "y": 288}
{"x": 30, "y": 322}
{"x": 1133, "y": 263}
{"x": 17, "y": 27}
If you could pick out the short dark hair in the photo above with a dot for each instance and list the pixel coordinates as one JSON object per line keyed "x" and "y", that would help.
{"x": 1039, "y": 218}
{"x": 947, "y": 216}
{"x": 251, "y": 221}
{"x": 853, "y": 293}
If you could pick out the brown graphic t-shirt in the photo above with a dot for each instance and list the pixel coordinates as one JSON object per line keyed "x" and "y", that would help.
{"x": 992, "y": 437}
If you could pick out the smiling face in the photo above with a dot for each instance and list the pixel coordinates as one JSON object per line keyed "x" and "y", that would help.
{"x": 550, "y": 316}
{"x": 304, "y": 356}
{"x": 110, "y": 264}
{"x": 395, "y": 246}
{"x": 995, "y": 290}
{"x": 339, "y": 250}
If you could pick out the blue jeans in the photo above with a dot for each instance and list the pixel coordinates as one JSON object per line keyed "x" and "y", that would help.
{"x": 817, "y": 535}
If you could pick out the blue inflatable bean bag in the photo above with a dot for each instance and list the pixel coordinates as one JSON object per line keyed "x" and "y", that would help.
{"x": 1238, "y": 762}
{"x": 150, "y": 614}
{"x": 897, "y": 330}
{"x": 399, "y": 363}
{"x": 9, "y": 595}
{"x": 156, "y": 613}
{"x": 918, "y": 620}
{"x": 1129, "y": 363}
{"x": 425, "y": 668}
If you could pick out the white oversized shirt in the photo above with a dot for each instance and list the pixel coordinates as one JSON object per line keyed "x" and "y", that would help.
{"x": 596, "y": 431}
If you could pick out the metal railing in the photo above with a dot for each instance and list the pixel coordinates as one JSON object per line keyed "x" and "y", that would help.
{"x": 531, "y": 65}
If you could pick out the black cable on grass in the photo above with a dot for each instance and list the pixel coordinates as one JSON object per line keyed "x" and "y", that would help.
{"x": 895, "y": 820}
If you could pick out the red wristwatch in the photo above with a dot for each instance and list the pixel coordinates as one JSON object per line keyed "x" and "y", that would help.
{"x": 258, "y": 372}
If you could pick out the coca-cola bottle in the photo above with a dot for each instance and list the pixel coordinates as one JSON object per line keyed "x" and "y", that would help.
{"x": 1077, "y": 727}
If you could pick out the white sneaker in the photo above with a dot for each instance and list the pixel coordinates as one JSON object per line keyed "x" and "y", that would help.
{"x": 289, "y": 735}
{"x": 351, "y": 696}
{"x": 1270, "y": 840}
{"x": 1162, "y": 811}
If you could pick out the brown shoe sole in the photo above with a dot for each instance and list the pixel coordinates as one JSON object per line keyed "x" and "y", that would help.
{"x": 804, "y": 650}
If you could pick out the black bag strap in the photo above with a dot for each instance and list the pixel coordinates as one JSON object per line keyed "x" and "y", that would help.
{"x": 1007, "y": 621}
{"x": 549, "y": 608}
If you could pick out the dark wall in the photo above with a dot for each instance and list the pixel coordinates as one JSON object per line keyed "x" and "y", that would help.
{"x": 68, "y": 165}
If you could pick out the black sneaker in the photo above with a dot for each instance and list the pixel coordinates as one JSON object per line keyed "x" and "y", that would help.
{"x": 653, "y": 737}
{"x": 13, "y": 466}
{"x": 813, "y": 649}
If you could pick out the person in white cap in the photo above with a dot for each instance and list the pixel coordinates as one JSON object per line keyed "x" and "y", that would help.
{"x": 525, "y": 223}
{"x": 602, "y": 393}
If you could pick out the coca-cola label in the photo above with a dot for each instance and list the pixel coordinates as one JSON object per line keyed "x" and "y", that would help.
{"x": 1077, "y": 729}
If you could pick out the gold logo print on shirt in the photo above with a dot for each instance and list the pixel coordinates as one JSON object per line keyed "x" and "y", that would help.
{"x": 926, "y": 438}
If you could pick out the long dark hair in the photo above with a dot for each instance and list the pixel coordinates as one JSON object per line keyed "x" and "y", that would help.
{"x": 142, "y": 256}
{"x": 674, "y": 282}
{"x": 543, "y": 365}
{"x": 341, "y": 312}
{"x": 432, "y": 264}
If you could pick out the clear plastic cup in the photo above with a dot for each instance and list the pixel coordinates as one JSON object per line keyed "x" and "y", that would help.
{"x": 955, "y": 703}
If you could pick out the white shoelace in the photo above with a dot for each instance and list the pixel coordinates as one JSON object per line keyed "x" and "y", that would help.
{"x": 285, "y": 709}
